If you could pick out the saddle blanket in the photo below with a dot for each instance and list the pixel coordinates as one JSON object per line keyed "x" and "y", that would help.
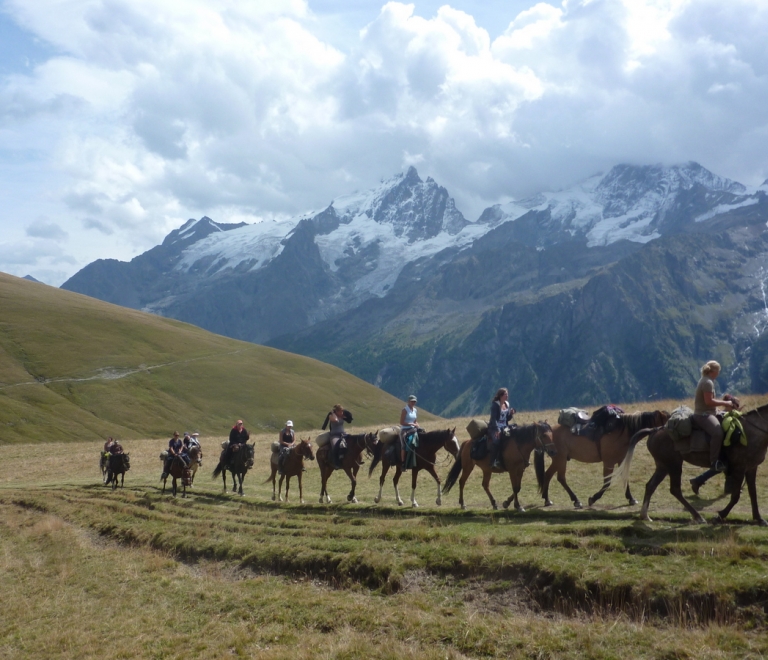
{"x": 696, "y": 442}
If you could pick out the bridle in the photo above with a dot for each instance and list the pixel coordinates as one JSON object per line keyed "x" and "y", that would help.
{"x": 548, "y": 448}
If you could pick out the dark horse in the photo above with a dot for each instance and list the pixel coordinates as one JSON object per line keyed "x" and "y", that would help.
{"x": 518, "y": 443}
{"x": 238, "y": 464}
{"x": 351, "y": 463}
{"x": 742, "y": 461}
{"x": 117, "y": 464}
{"x": 177, "y": 470}
{"x": 293, "y": 466}
{"x": 429, "y": 444}
{"x": 609, "y": 450}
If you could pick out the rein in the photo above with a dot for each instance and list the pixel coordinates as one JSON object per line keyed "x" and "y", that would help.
{"x": 435, "y": 463}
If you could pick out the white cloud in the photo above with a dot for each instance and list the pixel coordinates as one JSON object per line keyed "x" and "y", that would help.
{"x": 150, "y": 113}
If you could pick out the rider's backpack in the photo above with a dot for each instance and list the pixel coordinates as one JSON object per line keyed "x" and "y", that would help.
{"x": 679, "y": 424}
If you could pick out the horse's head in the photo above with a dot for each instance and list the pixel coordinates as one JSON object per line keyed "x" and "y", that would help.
{"x": 371, "y": 440}
{"x": 544, "y": 438}
{"x": 452, "y": 445}
{"x": 250, "y": 451}
{"x": 305, "y": 449}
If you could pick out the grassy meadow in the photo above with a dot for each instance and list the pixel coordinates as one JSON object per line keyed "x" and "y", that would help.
{"x": 88, "y": 572}
{"x": 75, "y": 368}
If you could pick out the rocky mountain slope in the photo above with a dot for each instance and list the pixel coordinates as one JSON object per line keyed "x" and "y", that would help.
{"x": 579, "y": 296}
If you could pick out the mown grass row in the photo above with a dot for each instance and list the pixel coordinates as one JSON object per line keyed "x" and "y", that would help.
{"x": 565, "y": 561}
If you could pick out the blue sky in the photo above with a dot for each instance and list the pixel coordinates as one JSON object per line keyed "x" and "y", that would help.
{"x": 121, "y": 119}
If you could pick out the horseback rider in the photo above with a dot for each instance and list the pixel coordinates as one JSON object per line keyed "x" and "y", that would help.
{"x": 108, "y": 445}
{"x": 115, "y": 448}
{"x": 705, "y": 407}
{"x": 408, "y": 425}
{"x": 286, "y": 438}
{"x": 175, "y": 447}
{"x": 501, "y": 416}
{"x": 237, "y": 436}
{"x": 336, "y": 420}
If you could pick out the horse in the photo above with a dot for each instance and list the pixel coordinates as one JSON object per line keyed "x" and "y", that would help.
{"x": 293, "y": 466}
{"x": 238, "y": 464}
{"x": 195, "y": 461}
{"x": 117, "y": 464}
{"x": 610, "y": 449}
{"x": 518, "y": 441}
{"x": 743, "y": 462}
{"x": 351, "y": 463}
{"x": 104, "y": 465}
{"x": 176, "y": 470}
{"x": 429, "y": 444}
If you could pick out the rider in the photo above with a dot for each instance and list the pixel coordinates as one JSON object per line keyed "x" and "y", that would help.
{"x": 286, "y": 440}
{"x": 501, "y": 415}
{"x": 175, "y": 446}
{"x": 408, "y": 424}
{"x": 336, "y": 420}
{"x": 705, "y": 407}
{"x": 237, "y": 436}
{"x": 108, "y": 445}
{"x": 115, "y": 447}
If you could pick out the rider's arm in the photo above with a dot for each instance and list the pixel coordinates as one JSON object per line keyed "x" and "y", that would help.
{"x": 402, "y": 417}
{"x": 711, "y": 401}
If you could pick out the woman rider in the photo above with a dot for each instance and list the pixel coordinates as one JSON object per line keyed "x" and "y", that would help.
{"x": 286, "y": 439}
{"x": 705, "y": 407}
{"x": 336, "y": 429}
{"x": 408, "y": 424}
{"x": 501, "y": 415}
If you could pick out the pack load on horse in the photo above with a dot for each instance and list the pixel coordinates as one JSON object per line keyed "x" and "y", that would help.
{"x": 743, "y": 456}
{"x": 350, "y": 461}
{"x": 236, "y": 456}
{"x": 292, "y": 466}
{"x": 515, "y": 447}
{"x": 387, "y": 452}
{"x": 194, "y": 451}
{"x": 604, "y": 420}
{"x": 605, "y": 441}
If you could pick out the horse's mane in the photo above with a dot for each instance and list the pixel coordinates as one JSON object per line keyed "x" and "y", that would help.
{"x": 527, "y": 433}
{"x": 759, "y": 410}
{"x": 633, "y": 422}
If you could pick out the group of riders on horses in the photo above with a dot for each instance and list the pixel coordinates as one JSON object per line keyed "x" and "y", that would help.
{"x": 180, "y": 448}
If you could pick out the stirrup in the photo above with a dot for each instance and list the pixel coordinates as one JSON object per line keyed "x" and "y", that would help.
{"x": 718, "y": 466}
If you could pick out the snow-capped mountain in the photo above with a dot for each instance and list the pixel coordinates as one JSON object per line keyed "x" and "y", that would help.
{"x": 634, "y": 203}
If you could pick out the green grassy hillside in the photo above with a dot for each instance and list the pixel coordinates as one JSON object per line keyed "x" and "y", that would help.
{"x": 74, "y": 368}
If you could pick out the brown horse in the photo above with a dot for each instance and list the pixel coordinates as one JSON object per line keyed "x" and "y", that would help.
{"x": 195, "y": 461}
{"x": 293, "y": 466}
{"x": 609, "y": 450}
{"x": 742, "y": 461}
{"x": 176, "y": 471}
{"x": 429, "y": 444}
{"x": 351, "y": 463}
{"x": 518, "y": 443}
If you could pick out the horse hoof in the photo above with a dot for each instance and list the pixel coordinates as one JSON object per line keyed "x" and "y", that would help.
{"x": 439, "y": 502}
{"x": 578, "y": 505}
{"x": 506, "y": 505}
{"x": 321, "y": 500}
{"x": 354, "y": 500}
{"x": 273, "y": 498}
{"x": 548, "y": 503}
{"x": 591, "y": 501}
{"x": 716, "y": 520}
{"x": 463, "y": 508}
{"x": 495, "y": 506}
{"x": 520, "y": 509}
{"x": 761, "y": 522}
{"x": 376, "y": 500}
{"x": 399, "y": 502}
{"x": 633, "y": 502}
{"x": 302, "y": 501}
{"x": 415, "y": 505}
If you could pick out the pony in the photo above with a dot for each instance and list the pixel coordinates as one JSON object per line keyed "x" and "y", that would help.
{"x": 429, "y": 444}
{"x": 293, "y": 466}
{"x": 743, "y": 462}
{"x": 609, "y": 450}
{"x": 351, "y": 463}
{"x": 518, "y": 443}
{"x": 238, "y": 464}
{"x": 176, "y": 470}
{"x": 117, "y": 464}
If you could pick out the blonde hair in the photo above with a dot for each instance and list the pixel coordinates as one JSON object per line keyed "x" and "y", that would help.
{"x": 709, "y": 367}
{"x": 338, "y": 408}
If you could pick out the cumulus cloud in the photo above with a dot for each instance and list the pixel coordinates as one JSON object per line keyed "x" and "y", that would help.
{"x": 44, "y": 228}
{"x": 151, "y": 113}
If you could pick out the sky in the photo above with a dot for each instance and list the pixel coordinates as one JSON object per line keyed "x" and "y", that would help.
{"x": 121, "y": 119}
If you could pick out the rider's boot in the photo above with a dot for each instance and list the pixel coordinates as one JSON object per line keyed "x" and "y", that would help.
{"x": 495, "y": 458}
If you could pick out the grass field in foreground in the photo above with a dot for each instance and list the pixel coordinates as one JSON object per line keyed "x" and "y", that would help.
{"x": 87, "y": 572}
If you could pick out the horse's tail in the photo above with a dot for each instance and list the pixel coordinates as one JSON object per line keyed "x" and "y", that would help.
{"x": 453, "y": 475}
{"x": 376, "y": 458}
{"x": 218, "y": 470}
{"x": 538, "y": 466}
{"x": 620, "y": 476}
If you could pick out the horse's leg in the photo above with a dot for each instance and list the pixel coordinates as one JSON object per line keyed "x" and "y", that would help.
{"x": 287, "y": 486}
{"x": 606, "y": 474}
{"x": 547, "y": 478}
{"x": 280, "y": 489}
{"x": 467, "y": 465}
{"x": 630, "y": 499}
{"x": 516, "y": 479}
{"x": 273, "y": 472}
{"x": 162, "y": 492}
{"x": 653, "y": 483}
{"x": 384, "y": 470}
{"x": 737, "y": 480}
{"x": 431, "y": 470}
{"x": 487, "y": 487}
{"x": 351, "y": 497}
{"x": 675, "y": 488}
{"x": 301, "y": 488}
{"x": 561, "y": 480}
{"x": 414, "y": 479}
{"x": 395, "y": 482}
{"x": 751, "y": 476}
